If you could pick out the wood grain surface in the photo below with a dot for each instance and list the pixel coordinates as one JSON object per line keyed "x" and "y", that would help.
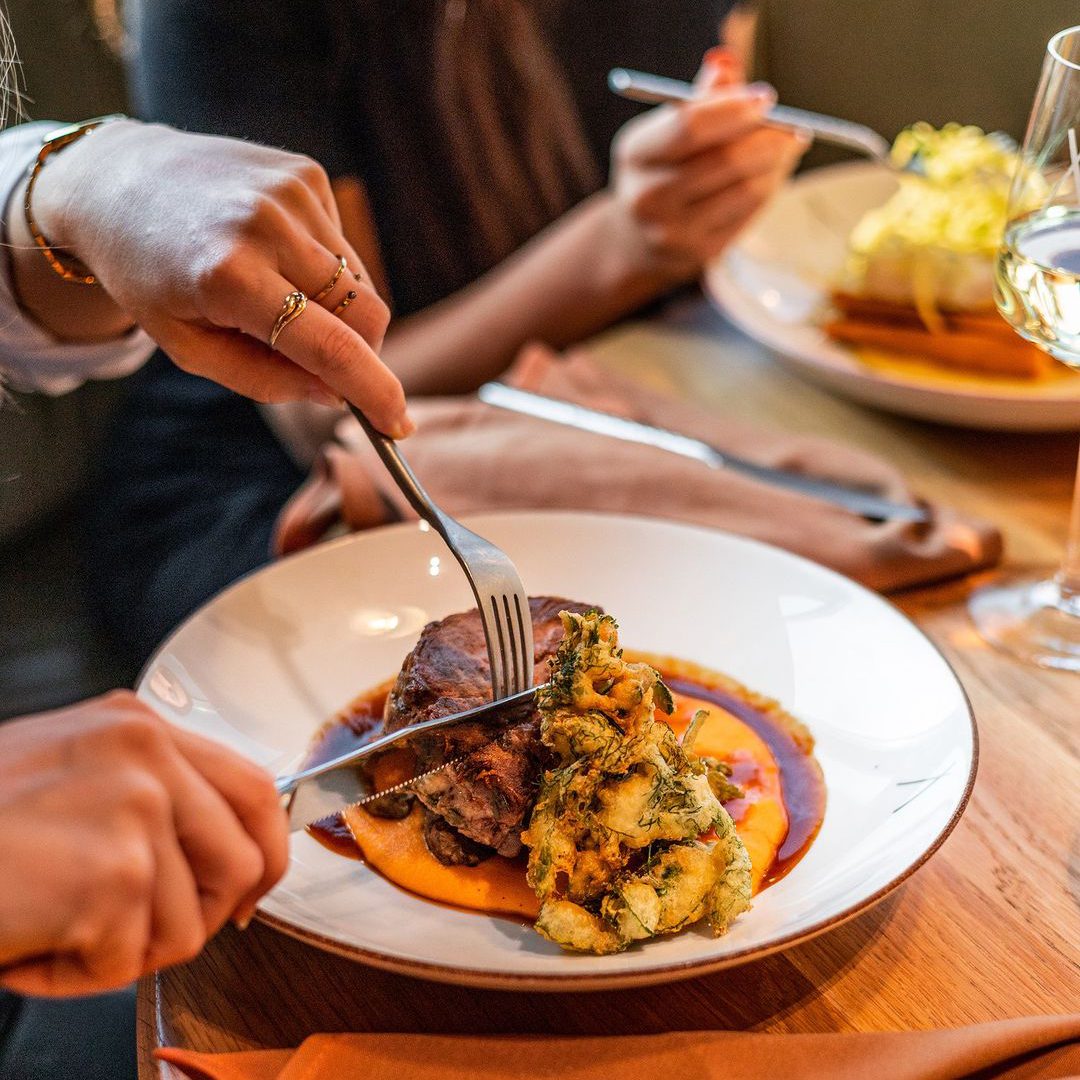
{"x": 989, "y": 928}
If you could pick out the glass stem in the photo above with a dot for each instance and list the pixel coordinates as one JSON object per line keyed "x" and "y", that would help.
{"x": 1069, "y": 575}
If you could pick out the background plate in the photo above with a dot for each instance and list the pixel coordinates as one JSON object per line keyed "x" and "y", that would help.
{"x": 772, "y": 282}
{"x": 266, "y": 662}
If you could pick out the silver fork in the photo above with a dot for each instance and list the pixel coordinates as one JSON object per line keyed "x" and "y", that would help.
{"x": 656, "y": 89}
{"x": 496, "y": 584}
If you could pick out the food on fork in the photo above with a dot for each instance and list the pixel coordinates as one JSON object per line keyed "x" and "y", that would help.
{"x": 673, "y": 818}
{"x": 919, "y": 277}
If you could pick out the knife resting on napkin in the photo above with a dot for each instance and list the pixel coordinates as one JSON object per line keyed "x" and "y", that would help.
{"x": 865, "y": 503}
{"x": 481, "y": 459}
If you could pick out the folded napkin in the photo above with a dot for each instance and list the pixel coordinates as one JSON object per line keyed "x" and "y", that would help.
{"x": 473, "y": 457}
{"x": 1045, "y": 1047}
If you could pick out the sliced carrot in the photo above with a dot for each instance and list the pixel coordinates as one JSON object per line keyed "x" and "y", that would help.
{"x": 869, "y": 309}
{"x": 964, "y": 351}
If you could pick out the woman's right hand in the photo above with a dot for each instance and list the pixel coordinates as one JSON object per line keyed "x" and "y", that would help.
{"x": 686, "y": 178}
{"x": 200, "y": 239}
{"x": 126, "y": 844}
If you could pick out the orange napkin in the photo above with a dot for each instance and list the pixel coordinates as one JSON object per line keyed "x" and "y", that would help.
{"x": 1046, "y": 1047}
{"x": 473, "y": 457}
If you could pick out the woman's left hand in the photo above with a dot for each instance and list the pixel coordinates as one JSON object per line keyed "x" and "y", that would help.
{"x": 200, "y": 239}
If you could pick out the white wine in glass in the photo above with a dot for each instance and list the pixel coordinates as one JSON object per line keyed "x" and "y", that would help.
{"x": 1037, "y": 289}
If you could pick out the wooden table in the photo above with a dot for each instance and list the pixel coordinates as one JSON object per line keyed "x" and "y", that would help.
{"x": 989, "y": 928}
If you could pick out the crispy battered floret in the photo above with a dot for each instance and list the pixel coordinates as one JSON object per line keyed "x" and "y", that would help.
{"x": 614, "y": 853}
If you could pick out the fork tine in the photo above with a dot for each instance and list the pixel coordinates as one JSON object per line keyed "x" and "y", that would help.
{"x": 525, "y": 638}
{"x": 494, "y": 580}
{"x": 506, "y": 640}
{"x": 514, "y": 664}
{"x": 490, "y": 617}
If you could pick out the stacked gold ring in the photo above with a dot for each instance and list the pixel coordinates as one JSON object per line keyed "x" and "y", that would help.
{"x": 350, "y": 297}
{"x": 292, "y": 308}
{"x": 328, "y": 288}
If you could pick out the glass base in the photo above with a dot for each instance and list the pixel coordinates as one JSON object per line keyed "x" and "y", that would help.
{"x": 1033, "y": 620}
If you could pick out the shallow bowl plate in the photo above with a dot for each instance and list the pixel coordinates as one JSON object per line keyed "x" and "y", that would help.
{"x": 266, "y": 662}
{"x": 775, "y": 279}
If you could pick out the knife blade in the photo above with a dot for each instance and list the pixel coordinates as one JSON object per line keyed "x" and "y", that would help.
{"x": 328, "y": 804}
{"x": 322, "y": 789}
{"x": 865, "y": 503}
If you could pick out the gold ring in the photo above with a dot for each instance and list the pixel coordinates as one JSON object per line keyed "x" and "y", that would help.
{"x": 327, "y": 289}
{"x": 344, "y": 303}
{"x": 292, "y": 308}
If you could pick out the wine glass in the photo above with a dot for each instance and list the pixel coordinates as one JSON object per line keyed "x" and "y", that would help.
{"x": 1037, "y": 289}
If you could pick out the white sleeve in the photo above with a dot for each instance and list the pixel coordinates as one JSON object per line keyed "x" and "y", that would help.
{"x": 30, "y": 357}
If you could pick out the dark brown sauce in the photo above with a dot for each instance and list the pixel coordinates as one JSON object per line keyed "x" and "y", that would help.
{"x": 801, "y": 781}
{"x": 333, "y": 833}
{"x": 358, "y": 722}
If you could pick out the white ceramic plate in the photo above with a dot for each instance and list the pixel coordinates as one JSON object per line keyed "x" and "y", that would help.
{"x": 266, "y": 662}
{"x": 774, "y": 279}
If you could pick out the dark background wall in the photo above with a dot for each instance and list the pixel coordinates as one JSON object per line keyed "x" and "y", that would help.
{"x": 69, "y": 71}
{"x": 50, "y": 650}
{"x": 888, "y": 63}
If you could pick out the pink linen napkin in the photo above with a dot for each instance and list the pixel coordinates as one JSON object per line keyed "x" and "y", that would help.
{"x": 473, "y": 457}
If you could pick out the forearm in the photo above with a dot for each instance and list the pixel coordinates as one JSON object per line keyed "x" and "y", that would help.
{"x": 572, "y": 280}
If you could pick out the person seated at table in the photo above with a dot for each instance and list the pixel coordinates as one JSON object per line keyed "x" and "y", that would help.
{"x": 497, "y": 189}
{"x": 126, "y": 843}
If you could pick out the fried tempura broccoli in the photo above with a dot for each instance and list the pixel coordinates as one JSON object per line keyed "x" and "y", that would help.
{"x": 614, "y": 849}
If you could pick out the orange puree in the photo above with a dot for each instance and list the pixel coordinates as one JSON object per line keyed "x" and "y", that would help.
{"x": 396, "y": 849}
{"x": 760, "y": 818}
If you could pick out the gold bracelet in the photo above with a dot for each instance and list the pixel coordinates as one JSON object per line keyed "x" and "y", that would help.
{"x": 73, "y": 270}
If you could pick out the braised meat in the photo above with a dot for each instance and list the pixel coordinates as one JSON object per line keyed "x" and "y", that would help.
{"x": 449, "y": 846}
{"x": 486, "y": 796}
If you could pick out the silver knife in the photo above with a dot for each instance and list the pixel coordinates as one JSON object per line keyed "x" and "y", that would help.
{"x": 871, "y": 506}
{"x": 325, "y": 788}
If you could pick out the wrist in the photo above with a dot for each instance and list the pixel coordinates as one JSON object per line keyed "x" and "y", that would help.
{"x": 627, "y": 263}
{"x": 62, "y": 190}
{"x": 68, "y": 310}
